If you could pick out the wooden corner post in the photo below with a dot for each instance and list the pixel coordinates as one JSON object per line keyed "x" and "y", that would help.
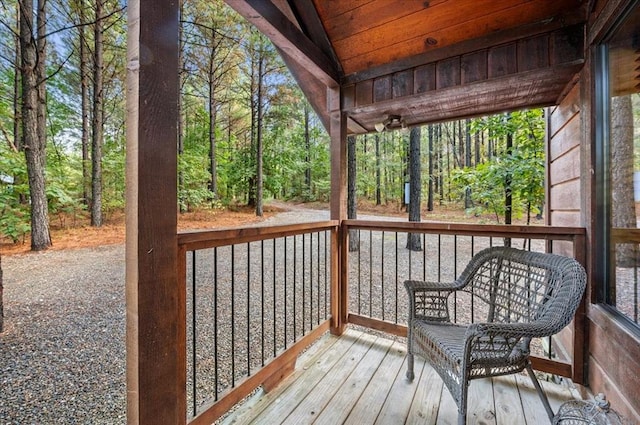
{"x": 338, "y": 133}
{"x": 156, "y": 354}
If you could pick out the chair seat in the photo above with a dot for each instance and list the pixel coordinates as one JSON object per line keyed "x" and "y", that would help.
{"x": 447, "y": 339}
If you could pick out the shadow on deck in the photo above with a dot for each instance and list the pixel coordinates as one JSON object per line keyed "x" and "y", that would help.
{"x": 359, "y": 378}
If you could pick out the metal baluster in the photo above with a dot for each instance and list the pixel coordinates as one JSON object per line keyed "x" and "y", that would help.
{"x": 248, "y": 317}
{"x": 215, "y": 320}
{"x": 275, "y": 340}
{"x": 262, "y": 300}
{"x": 193, "y": 330}
{"x": 382, "y": 277}
{"x": 285, "y": 293}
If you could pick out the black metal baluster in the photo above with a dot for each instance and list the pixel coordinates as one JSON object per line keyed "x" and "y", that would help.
{"x": 295, "y": 284}
{"x": 286, "y": 322}
{"x": 396, "y": 259}
{"x": 455, "y": 276}
{"x": 193, "y": 331}
{"x": 472, "y": 286}
{"x": 439, "y": 258}
{"x": 370, "y": 273}
{"x": 233, "y": 316}
{"x": 359, "y": 278}
{"x": 318, "y": 277}
{"x": 275, "y": 313}
{"x": 382, "y": 276}
{"x": 424, "y": 256}
{"x": 304, "y": 295}
{"x": 215, "y": 321}
{"x": 326, "y": 254}
{"x": 248, "y": 317}
{"x": 262, "y": 301}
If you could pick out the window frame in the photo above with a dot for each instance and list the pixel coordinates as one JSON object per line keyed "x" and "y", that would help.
{"x": 603, "y": 267}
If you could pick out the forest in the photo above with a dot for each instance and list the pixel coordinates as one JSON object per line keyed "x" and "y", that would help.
{"x": 246, "y": 133}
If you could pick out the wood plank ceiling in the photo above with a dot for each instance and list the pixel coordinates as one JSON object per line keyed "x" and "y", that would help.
{"x": 425, "y": 60}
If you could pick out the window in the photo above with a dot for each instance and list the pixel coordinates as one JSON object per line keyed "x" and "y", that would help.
{"x": 618, "y": 166}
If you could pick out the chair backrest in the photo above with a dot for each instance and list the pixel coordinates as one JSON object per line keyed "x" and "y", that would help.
{"x": 522, "y": 286}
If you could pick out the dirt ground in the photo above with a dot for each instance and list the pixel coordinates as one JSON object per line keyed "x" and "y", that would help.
{"x": 69, "y": 233}
{"x": 76, "y": 232}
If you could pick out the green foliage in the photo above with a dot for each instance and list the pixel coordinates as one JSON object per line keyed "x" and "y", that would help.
{"x": 14, "y": 214}
{"x": 523, "y": 166}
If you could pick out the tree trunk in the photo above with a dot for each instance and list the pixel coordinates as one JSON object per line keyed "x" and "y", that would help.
{"x": 378, "y": 171}
{"x": 354, "y": 239}
{"x": 84, "y": 89}
{"x": 34, "y": 147}
{"x": 213, "y": 166}
{"x": 17, "y": 113}
{"x": 415, "y": 187}
{"x": 623, "y": 214}
{"x": 431, "y": 177}
{"x": 259, "y": 147}
{"x": 508, "y": 195}
{"x": 307, "y": 144}
{"x": 180, "y": 123}
{"x": 467, "y": 163}
{"x": 96, "y": 133}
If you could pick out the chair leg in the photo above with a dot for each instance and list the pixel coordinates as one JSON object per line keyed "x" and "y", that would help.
{"x": 541, "y": 393}
{"x": 462, "y": 408}
{"x": 410, "y": 374}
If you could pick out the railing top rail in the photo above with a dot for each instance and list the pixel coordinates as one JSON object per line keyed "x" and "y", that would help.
{"x": 215, "y": 238}
{"x": 495, "y": 230}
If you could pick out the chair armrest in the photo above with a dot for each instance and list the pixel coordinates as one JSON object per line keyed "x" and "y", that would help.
{"x": 429, "y": 300}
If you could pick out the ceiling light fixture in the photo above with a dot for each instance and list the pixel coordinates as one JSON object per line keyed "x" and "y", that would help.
{"x": 392, "y": 122}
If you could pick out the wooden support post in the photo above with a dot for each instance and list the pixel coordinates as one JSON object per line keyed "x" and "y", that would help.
{"x": 338, "y": 134}
{"x": 580, "y": 324}
{"x": 156, "y": 318}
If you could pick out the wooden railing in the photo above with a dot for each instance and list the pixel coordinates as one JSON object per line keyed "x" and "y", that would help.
{"x": 373, "y": 295}
{"x": 257, "y": 297}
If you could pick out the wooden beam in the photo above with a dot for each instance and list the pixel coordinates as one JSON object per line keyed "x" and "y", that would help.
{"x": 155, "y": 302}
{"x": 314, "y": 90}
{"x": 287, "y": 37}
{"x": 309, "y": 19}
{"x": 338, "y": 208}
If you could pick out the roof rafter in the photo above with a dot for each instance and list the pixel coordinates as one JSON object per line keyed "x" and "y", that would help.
{"x": 288, "y": 38}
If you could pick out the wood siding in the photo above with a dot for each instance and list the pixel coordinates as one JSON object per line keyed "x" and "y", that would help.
{"x": 530, "y": 71}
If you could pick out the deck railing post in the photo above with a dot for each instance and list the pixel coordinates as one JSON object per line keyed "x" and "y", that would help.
{"x": 155, "y": 302}
{"x": 580, "y": 324}
{"x": 338, "y": 208}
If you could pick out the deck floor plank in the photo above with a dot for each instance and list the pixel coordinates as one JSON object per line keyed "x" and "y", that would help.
{"x": 507, "y": 401}
{"x": 348, "y": 394}
{"x": 368, "y": 407}
{"x": 481, "y": 406}
{"x": 360, "y": 379}
{"x": 398, "y": 401}
{"x": 426, "y": 403}
{"x": 308, "y": 409}
{"x": 323, "y": 354}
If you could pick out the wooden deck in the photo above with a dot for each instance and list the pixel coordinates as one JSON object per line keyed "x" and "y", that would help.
{"x": 360, "y": 379}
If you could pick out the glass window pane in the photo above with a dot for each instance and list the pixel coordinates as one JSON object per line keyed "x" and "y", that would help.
{"x": 624, "y": 165}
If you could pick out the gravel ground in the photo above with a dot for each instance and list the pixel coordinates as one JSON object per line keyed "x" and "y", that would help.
{"x": 62, "y": 353}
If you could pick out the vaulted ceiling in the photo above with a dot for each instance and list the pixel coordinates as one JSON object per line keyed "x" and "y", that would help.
{"x": 425, "y": 60}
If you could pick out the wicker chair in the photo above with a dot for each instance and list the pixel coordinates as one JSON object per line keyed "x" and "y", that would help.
{"x": 518, "y": 295}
